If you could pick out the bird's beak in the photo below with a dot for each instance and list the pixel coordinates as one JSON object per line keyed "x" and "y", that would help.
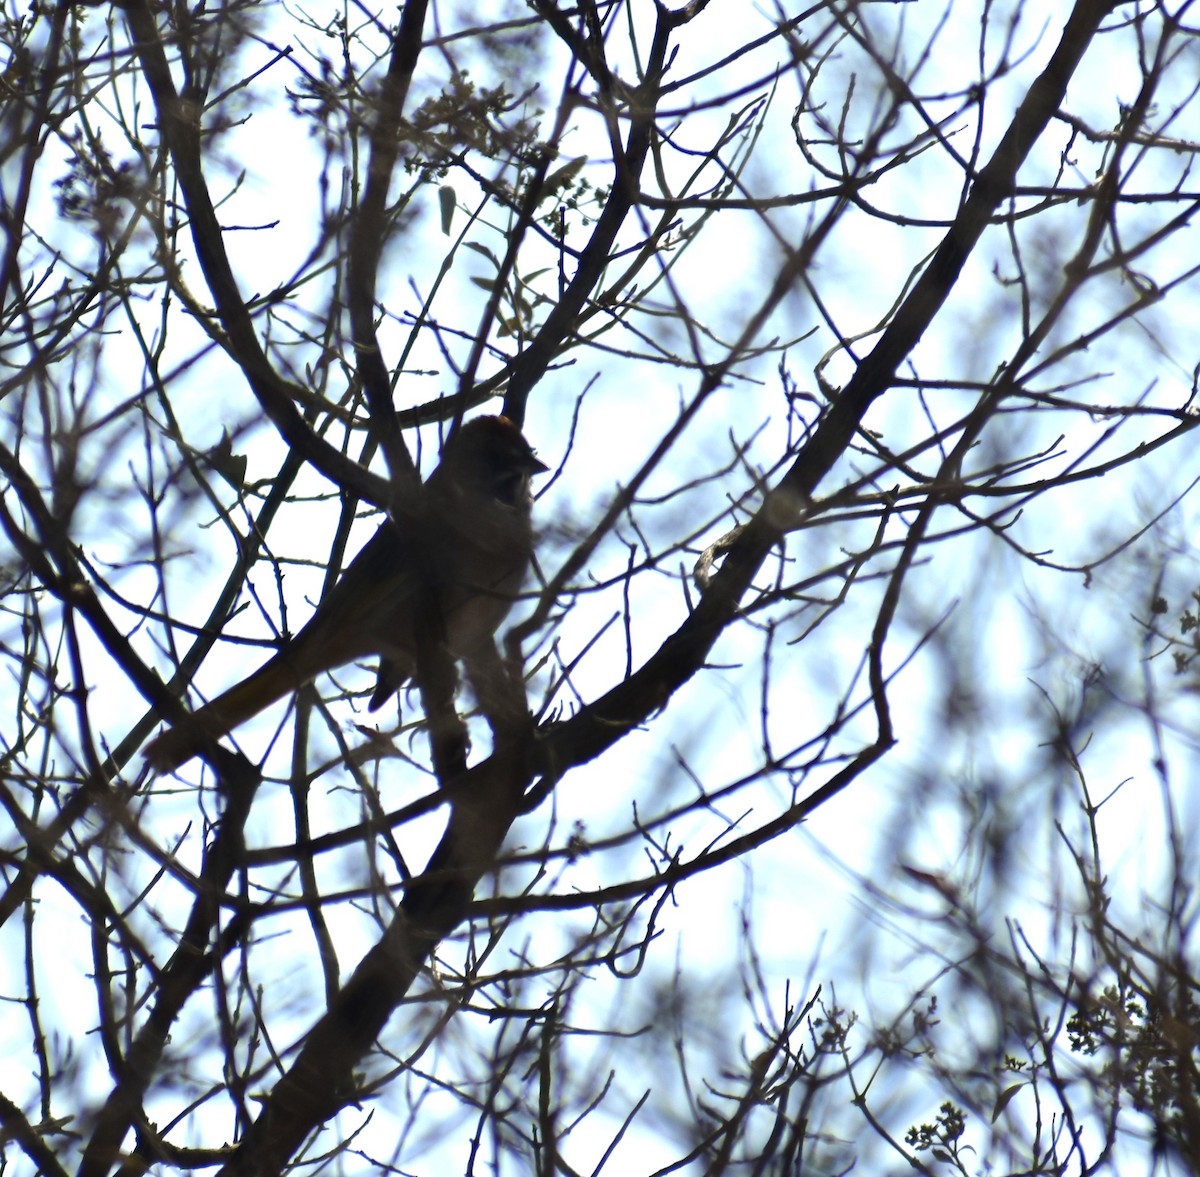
{"x": 537, "y": 466}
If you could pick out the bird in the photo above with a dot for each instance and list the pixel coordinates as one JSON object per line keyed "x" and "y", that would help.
{"x": 462, "y": 555}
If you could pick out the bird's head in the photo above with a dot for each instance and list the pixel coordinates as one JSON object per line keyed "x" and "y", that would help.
{"x": 490, "y": 455}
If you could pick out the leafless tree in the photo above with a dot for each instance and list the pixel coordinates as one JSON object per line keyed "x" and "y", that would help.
{"x": 838, "y": 810}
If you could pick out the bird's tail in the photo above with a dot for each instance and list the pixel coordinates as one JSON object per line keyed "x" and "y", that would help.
{"x": 178, "y": 744}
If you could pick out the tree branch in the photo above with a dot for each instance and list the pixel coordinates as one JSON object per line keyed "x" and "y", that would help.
{"x": 179, "y": 125}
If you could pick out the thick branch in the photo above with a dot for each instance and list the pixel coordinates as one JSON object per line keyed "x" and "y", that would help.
{"x": 179, "y": 125}
{"x": 369, "y": 231}
{"x": 595, "y": 728}
{"x": 531, "y": 364}
{"x": 190, "y": 964}
{"x": 321, "y": 1080}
